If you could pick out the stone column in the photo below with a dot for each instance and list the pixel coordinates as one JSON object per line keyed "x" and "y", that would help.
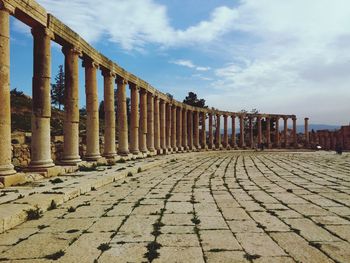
{"x": 226, "y": 144}
{"x": 143, "y": 122}
{"x": 150, "y": 122}
{"x": 122, "y": 115}
{"x": 173, "y": 128}
{"x": 41, "y": 115}
{"x": 109, "y": 145}
{"x": 241, "y": 128}
{"x": 163, "y": 144}
{"x": 218, "y": 133}
{"x": 277, "y": 133}
{"x": 306, "y": 131}
{"x": 184, "y": 130}
{"x": 211, "y": 138}
{"x": 251, "y": 134}
{"x": 71, "y": 106}
{"x": 285, "y": 131}
{"x": 157, "y": 125}
{"x": 190, "y": 129}
{"x": 134, "y": 122}
{"x": 259, "y": 131}
{"x": 203, "y": 131}
{"x": 295, "y": 143}
{"x": 6, "y": 167}
{"x": 179, "y": 128}
{"x": 92, "y": 120}
{"x": 168, "y": 126}
{"x": 196, "y": 130}
{"x": 233, "y": 143}
{"x": 268, "y": 132}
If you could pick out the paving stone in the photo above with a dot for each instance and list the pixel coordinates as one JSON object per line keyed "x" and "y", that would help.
{"x": 107, "y": 224}
{"x": 271, "y": 223}
{"x": 178, "y": 254}
{"x": 245, "y": 226}
{"x": 178, "y": 240}
{"x": 225, "y": 257}
{"x": 218, "y": 239}
{"x": 298, "y": 248}
{"x": 339, "y": 251}
{"x": 274, "y": 260}
{"x": 259, "y": 244}
{"x": 129, "y": 252}
{"x": 342, "y": 231}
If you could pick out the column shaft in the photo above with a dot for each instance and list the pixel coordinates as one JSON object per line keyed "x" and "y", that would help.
{"x": 6, "y": 167}
{"x": 163, "y": 144}
{"x": 157, "y": 125}
{"x": 241, "y": 128}
{"x": 168, "y": 126}
{"x": 41, "y": 115}
{"x": 173, "y": 128}
{"x": 150, "y": 122}
{"x": 184, "y": 130}
{"x": 306, "y": 131}
{"x": 123, "y": 145}
{"x": 295, "y": 143}
{"x": 268, "y": 132}
{"x": 218, "y": 133}
{"x": 203, "y": 131}
{"x": 92, "y": 121}
{"x": 277, "y": 133}
{"x": 259, "y": 131}
{"x": 143, "y": 121}
{"x": 251, "y": 134}
{"x": 285, "y": 131}
{"x": 226, "y": 145}
{"x": 71, "y": 107}
{"x": 179, "y": 128}
{"x": 190, "y": 129}
{"x": 134, "y": 122}
{"x": 211, "y": 136}
{"x": 196, "y": 129}
{"x": 109, "y": 145}
{"x": 233, "y": 135}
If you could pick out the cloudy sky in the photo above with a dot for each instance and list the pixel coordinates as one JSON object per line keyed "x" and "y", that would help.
{"x": 278, "y": 56}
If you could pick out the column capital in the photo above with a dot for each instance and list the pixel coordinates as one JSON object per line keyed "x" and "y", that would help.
{"x": 121, "y": 81}
{"x": 294, "y": 118}
{"x": 72, "y": 49}
{"x": 107, "y": 73}
{"x": 150, "y": 94}
{"x": 285, "y": 118}
{"x": 42, "y": 31}
{"x": 7, "y": 7}
{"x": 89, "y": 63}
{"x": 306, "y": 119}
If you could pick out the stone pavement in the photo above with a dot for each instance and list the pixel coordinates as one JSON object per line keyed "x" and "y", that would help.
{"x": 201, "y": 207}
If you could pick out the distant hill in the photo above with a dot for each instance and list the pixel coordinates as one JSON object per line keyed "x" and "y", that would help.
{"x": 21, "y": 112}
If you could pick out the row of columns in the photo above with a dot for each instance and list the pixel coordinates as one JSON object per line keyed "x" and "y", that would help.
{"x": 157, "y": 125}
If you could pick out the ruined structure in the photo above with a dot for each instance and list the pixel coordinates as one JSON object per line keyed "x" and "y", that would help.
{"x": 158, "y": 124}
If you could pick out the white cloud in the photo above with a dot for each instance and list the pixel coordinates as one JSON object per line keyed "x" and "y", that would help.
{"x": 134, "y": 23}
{"x": 292, "y": 57}
{"x": 188, "y": 64}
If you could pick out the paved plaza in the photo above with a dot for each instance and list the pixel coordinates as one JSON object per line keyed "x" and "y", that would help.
{"x": 201, "y": 207}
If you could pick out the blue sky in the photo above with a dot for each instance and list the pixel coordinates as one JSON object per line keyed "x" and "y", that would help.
{"x": 278, "y": 56}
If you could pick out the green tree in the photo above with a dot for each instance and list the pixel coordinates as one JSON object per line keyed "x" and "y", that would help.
{"x": 57, "y": 89}
{"x": 193, "y": 100}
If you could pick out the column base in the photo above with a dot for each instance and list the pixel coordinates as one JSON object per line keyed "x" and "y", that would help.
{"x": 123, "y": 153}
{"x": 46, "y": 172}
{"x": 6, "y": 170}
{"x": 12, "y": 179}
{"x": 74, "y": 160}
{"x": 109, "y": 155}
{"x": 41, "y": 164}
{"x": 219, "y": 147}
{"x": 92, "y": 158}
{"x": 228, "y": 147}
{"x": 180, "y": 149}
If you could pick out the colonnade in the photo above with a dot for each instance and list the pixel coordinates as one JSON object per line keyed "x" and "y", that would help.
{"x": 158, "y": 124}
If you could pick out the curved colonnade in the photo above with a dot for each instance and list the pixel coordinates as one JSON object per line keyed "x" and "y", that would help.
{"x": 158, "y": 124}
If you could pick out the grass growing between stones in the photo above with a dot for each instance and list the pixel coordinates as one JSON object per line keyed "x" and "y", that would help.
{"x": 55, "y": 256}
{"x": 104, "y": 247}
{"x": 34, "y": 214}
{"x": 152, "y": 252}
